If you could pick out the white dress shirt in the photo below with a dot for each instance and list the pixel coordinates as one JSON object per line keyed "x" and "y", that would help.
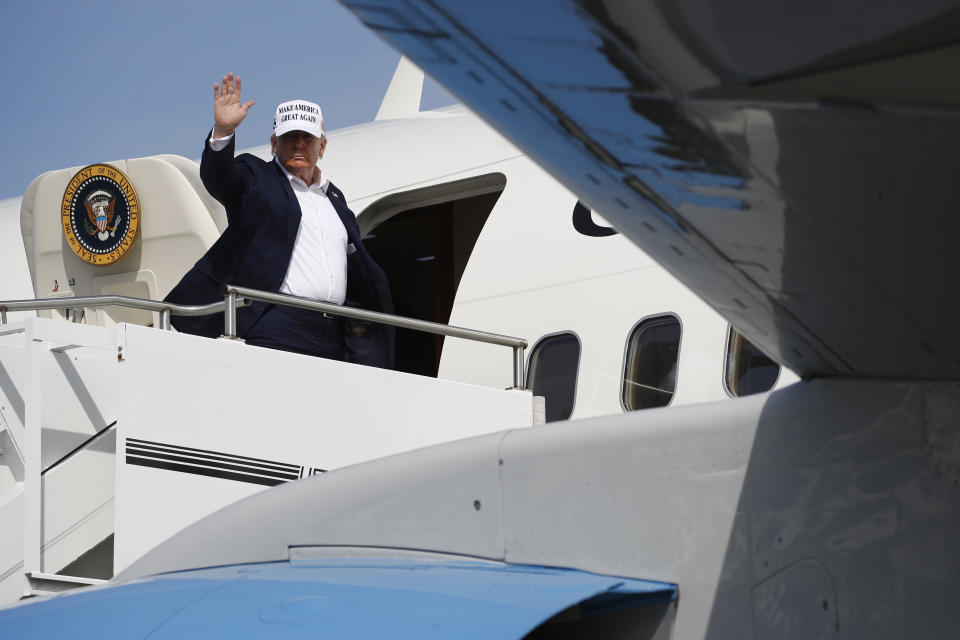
{"x": 318, "y": 264}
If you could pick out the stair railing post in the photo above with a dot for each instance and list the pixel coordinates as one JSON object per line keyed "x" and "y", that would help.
{"x": 32, "y": 488}
{"x": 230, "y": 314}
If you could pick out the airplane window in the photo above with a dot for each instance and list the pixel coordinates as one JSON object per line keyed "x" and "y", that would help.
{"x": 748, "y": 370}
{"x": 650, "y": 371}
{"x": 552, "y": 373}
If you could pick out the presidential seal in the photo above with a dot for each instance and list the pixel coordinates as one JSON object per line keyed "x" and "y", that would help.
{"x": 100, "y": 213}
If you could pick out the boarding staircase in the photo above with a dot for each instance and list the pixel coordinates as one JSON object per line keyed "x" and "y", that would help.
{"x": 114, "y": 438}
{"x": 56, "y": 483}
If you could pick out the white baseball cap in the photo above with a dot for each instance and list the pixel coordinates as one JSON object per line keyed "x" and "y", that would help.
{"x": 298, "y": 115}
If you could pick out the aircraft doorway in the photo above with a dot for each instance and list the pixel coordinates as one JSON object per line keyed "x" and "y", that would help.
{"x": 423, "y": 240}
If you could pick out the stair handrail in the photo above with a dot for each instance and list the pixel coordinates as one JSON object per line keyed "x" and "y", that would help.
{"x": 164, "y": 308}
{"x": 234, "y": 294}
{"x": 235, "y": 297}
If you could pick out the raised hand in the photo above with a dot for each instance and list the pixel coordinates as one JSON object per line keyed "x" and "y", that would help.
{"x": 228, "y": 110}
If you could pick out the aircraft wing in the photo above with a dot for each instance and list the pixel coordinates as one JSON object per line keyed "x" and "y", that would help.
{"x": 418, "y": 596}
{"x": 791, "y": 162}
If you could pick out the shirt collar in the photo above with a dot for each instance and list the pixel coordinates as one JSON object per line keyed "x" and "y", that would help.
{"x": 322, "y": 185}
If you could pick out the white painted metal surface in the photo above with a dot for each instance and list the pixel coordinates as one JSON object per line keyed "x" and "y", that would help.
{"x": 402, "y": 99}
{"x": 15, "y": 283}
{"x": 178, "y": 225}
{"x": 55, "y": 374}
{"x": 75, "y": 380}
{"x": 800, "y": 513}
{"x": 319, "y": 414}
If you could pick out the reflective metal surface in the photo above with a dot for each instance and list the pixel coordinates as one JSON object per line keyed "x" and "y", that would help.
{"x": 72, "y": 304}
{"x": 791, "y": 163}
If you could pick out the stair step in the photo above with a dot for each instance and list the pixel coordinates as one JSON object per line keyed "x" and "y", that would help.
{"x": 43, "y": 584}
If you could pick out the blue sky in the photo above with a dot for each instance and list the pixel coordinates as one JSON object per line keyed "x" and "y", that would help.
{"x": 92, "y": 81}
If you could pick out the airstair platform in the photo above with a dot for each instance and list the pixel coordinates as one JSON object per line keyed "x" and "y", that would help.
{"x": 114, "y": 438}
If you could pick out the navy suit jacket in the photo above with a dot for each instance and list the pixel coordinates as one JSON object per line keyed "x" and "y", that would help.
{"x": 263, "y": 217}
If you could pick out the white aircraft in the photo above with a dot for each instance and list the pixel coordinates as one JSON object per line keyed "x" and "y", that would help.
{"x": 794, "y": 166}
{"x": 471, "y": 232}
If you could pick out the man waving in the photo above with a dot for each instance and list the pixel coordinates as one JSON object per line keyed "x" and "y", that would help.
{"x": 289, "y": 231}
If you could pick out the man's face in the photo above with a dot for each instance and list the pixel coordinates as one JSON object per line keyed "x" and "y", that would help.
{"x": 298, "y": 151}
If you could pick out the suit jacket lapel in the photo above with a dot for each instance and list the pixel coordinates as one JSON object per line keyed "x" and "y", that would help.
{"x": 346, "y": 216}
